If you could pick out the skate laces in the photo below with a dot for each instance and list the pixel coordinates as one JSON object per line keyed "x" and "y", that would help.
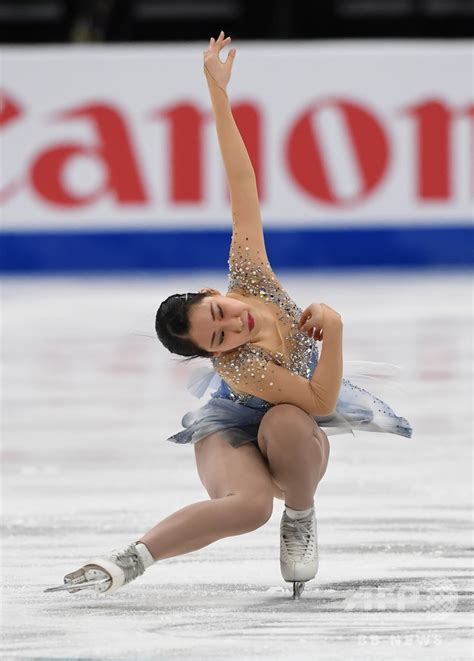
{"x": 130, "y": 561}
{"x": 298, "y": 535}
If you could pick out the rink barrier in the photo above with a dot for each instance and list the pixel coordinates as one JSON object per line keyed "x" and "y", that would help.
{"x": 149, "y": 250}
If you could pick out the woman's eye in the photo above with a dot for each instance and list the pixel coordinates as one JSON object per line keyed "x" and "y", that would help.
{"x": 222, "y": 338}
{"x": 222, "y": 314}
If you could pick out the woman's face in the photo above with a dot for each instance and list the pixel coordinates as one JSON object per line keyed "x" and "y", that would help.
{"x": 221, "y": 323}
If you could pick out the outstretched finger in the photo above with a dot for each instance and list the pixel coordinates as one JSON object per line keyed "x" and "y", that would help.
{"x": 210, "y": 48}
{"x": 230, "y": 57}
{"x": 223, "y": 43}
{"x": 222, "y": 40}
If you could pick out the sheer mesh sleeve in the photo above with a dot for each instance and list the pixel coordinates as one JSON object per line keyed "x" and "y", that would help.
{"x": 249, "y": 370}
{"x": 249, "y": 269}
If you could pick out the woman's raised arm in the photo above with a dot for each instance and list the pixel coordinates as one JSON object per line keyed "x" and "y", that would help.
{"x": 237, "y": 162}
{"x": 246, "y": 217}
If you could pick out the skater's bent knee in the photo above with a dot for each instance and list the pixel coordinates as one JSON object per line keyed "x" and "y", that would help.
{"x": 286, "y": 421}
{"x": 254, "y": 511}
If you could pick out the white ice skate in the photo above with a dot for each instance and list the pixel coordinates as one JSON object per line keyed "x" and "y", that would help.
{"x": 105, "y": 573}
{"x": 299, "y": 559}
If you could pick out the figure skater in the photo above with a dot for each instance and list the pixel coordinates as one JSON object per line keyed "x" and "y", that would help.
{"x": 260, "y": 434}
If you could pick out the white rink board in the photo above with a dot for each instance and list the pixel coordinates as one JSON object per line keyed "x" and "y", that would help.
{"x": 87, "y": 402}
{"x": 341, "y": 134}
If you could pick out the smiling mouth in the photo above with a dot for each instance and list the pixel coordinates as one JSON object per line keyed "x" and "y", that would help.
{"x": 250, "y": 321}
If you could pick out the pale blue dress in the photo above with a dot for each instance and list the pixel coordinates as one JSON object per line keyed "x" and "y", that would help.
{"x": 237, "y": 416}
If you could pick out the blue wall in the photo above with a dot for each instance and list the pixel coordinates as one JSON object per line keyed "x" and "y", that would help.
{"x": 132, "y": 250}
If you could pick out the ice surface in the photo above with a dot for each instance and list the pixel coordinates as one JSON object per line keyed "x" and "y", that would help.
{"x": 89, "y": 396}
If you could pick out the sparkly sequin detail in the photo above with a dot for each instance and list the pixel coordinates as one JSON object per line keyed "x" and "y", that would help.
{"x": 251, "y": 276}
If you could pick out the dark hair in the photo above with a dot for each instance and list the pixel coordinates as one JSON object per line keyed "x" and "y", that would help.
{"x": 172, "y": 323}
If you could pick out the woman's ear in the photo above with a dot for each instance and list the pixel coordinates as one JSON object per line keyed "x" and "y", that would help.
{"x": 210, "y": 292}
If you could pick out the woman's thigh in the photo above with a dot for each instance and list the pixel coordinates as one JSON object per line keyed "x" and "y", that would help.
{"x": 225, "y": 470}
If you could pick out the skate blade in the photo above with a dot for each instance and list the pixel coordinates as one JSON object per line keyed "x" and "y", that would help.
{"x": 75, "y": 587}
{"x": 298, "y": 587}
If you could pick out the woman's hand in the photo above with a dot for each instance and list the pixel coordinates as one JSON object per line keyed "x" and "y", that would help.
{"x": 315, "y": 317}
{"x": 218, "y": 70}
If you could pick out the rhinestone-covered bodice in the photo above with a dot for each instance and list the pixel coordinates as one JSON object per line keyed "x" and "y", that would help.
{"x": 250, "y": 361}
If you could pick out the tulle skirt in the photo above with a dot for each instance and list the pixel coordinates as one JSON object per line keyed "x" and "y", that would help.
{"x": 357, "y": 409}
